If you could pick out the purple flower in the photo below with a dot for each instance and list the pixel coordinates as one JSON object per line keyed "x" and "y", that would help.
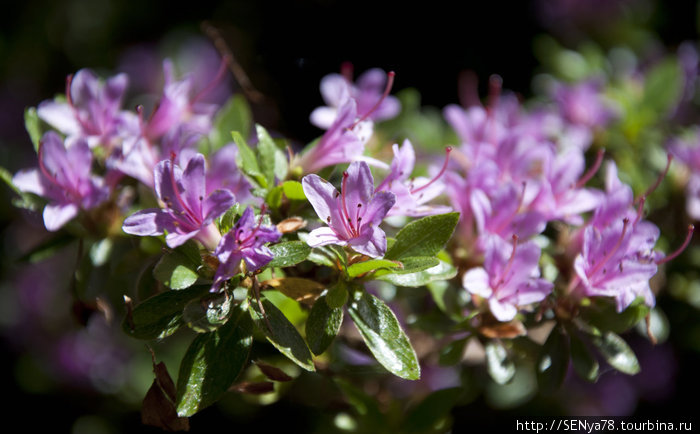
{"x": 344, "y": 142}
{"x": 64, "y": 178}
{"x": 176, "y": 107}
{"x": 509, "y": 278}
{"x": 371, "y": 94}
{"x": 189, "y": 212}
{"x": 412, "y": 195}
{"x": 583, "y": 104}
{"x": 353, "y": 215}
{"x": 687, "y": 150}
{"x": 244, "y": 242}
{"x": 618, "y": 261}
{"x": 92, "y": 110}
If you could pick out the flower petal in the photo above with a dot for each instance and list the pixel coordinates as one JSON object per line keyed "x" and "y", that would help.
{"x": 324, "y": 199}
{"x": 56, "y": 215}
{"x": 323, "y": 236}
{"x": 148, "y": 222}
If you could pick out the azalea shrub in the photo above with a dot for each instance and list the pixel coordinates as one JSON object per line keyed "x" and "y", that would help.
{"x": 393, "y": 241}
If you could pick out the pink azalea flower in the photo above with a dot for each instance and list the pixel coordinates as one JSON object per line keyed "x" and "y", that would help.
{"x": 64, "y": 178}
{"x": 189, "y": 212}
{"x": 353, "y": 215}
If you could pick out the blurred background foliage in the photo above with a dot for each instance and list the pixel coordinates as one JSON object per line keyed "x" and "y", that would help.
{"x": 68, "y": 371}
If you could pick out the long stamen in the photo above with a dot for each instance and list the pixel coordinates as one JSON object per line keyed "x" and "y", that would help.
{"x": 592, "y": 171}
{"x": 216, "y": 81}
{"x": 442, "y": 171}
{"x": 640, "y": 209}
{"x": 509, "y": 265}
{"x": 607, "y": 257}
{"x": 688, "y": 237}
{"x": 346, "y": 214}
{"x": 256, "y": 228}
{"x": 655, "y": 185}
{"x": 346, "y": 70}
{"x": 389, "y": 83}
{"x": 188, "y": 211}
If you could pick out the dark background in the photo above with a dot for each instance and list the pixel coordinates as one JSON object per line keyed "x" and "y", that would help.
{"x": 286, "y": 47}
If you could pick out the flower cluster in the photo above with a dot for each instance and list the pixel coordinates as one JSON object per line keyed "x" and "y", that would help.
{"x": 508, "y": 228}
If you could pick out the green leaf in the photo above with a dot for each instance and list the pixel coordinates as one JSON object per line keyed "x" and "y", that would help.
{"x": 423, "y": 237}
{"x": 500, "y": 367}
{"x": 585, "y": 365}
{"x": 33, "y": 127}
{"x": 427, "y": 416}
{"x": 235, "y": 115}
{"x": 617, "y": 353}
{"x": 227, "y": 220}
{"x": 323, "y": 325}
{"x": 383, "y": 335}
{"x": 337, "y": 295}
{"x": 602, "y": 314}
{"x": 442, "y": 271}
{"x": 293, "y": 190}
{"x": 358, "y": 268}
{"x": 553, "y": 361}
{"x": 663, "y": 85}
{"x": 274, "y": 197}
{"x": 161, "y": 315}
{"x": 289, "y": 253}
{"x": 176, "y": 270}
{"x": 273, "y": 162}
{"x": 281, "y": 333}
{"x": 208, "y": 313}
{"x": 453, "y": 352}
{"x": 247, "y": 161}
{"x": 212, "y": 363}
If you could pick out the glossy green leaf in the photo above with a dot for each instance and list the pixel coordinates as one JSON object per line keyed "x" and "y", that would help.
{"x": 498, "y": 364}
{"x": 553, "y": 361}
{"x": 617, "y": 353}
{"x": 323, "y": 325}
{"x": 212, "y": 363}
{"x": 442, "y": 271}
{"x": 289, "y": 253}
{"x": 383, "y": 335}
{"x": 273, "y": 162}
{"x": 423, "y": 237}
{"x": 176, "y": 270}
{"x": 293, "y": 190}
{"x": 33, "y": 126}
{"x": 227, "y": 220}
{"x": 359, "y": 268}
{"x": 161, "y": 315}
{"x": 247, "y": 161}
{"x": 281, "y": 333}
{"x": 338, "y": 295}
{"x": 235, "y": 115}
{"x": 274, "y": 198}
{"x": 208, "y": 313}
{"x": 585, "y": 365}
{"x": 296, "y": 288}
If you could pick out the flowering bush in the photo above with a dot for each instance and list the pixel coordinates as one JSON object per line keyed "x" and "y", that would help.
{"x": 518, "y": 236}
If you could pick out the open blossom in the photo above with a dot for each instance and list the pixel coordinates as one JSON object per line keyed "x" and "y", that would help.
{"x": 177, "y": 107}
{"x": 353, "y": 215}
{"x": 412, "y": 195}
{"x": 244, "y": 242}
{"x": 189, "y": 212}
{"x": 509, "y": 278}
{"x": 64, "y": 178}
{"x": 92, "y": 110}
{"x": 344, "y": 142}
{"x": 370, "y": 94}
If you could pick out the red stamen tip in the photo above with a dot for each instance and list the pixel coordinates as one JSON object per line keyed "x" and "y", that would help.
{"x": 673, "y": 255}
{"x": 592, "y": 171}
{"x": 662, "y": 175}
{"x": 442, "y": 171}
